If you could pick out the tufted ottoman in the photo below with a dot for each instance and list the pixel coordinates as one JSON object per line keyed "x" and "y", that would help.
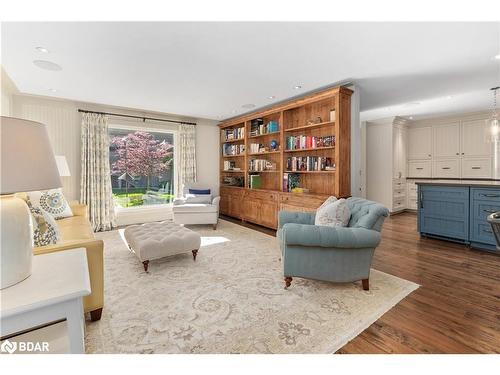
{"x": 161, "y": 239}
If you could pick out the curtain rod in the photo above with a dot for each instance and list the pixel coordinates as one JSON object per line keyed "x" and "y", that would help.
{"x": 139, "y": 117}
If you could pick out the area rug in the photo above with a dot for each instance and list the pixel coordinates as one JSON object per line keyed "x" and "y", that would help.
{"x": 230, "y": 300}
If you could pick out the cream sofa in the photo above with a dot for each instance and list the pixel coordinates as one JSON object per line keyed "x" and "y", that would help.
{"x": 76, "y": 231}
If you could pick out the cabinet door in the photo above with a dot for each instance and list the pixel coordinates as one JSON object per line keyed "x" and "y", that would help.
{"x": 476, "y": 168}
{"x": 474, "y": 142}
{"x": 235, "y": 206}
{"x": 447, "y": 140}
{"x": 269, "y": 214}
{"x": 420, "y": 143}
{"x": 251, "y": 210}
{"x": 446, "y": 168}
{"x": 224, "y": 204}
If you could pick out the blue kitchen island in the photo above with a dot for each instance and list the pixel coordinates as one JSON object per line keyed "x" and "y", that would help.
{"x": 457, "y": 210}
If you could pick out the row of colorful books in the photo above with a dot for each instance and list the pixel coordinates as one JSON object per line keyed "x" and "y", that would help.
{"x": 232, "y": 134}
{"x": 230, "y": 149}
{"x": 309, "y": 163}
{"x": 306, "y": 141}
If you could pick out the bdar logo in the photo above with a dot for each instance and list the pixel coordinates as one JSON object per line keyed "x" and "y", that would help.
{"x": 8, "y": 347}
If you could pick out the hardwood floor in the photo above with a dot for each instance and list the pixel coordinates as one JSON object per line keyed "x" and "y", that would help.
{"x": 457, "y": 307}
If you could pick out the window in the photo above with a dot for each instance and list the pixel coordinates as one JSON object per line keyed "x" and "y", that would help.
{"x": 142, "y": 167}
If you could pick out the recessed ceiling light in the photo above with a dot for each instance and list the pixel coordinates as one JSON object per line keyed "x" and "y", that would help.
{"x": 234, "y": 111}
{"x": 497, "y": 57}
{"x": 411, "y": 117}
{"x": 449, "y": 97}
{"x": 271, "y": 97}
{"x": 47, "y": 65}
{"x": 42, "y": 49}
{"x": 298, "y": 87}
{"x": 249, "y": 105}
{"x": 52, "y": 90}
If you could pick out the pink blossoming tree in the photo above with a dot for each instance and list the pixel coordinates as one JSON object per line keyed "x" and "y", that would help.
{"x": 139, "y": 154}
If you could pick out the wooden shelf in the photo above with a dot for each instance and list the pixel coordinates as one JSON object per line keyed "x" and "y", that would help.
{"x": 276, "y": 171}
{"x": 309, "y": 172}
{"x": 262, "y": 135}
{"x": 233, "y": 156}
{"x": 310, "y": 149}
{"x": 234, "y": 140}
{"x": 264, "y": 153}
{"x": 310, "y": 126}
{"x": 242, "y": 171}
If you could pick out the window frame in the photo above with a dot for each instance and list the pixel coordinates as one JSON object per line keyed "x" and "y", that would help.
{"x": 152, "y": 129}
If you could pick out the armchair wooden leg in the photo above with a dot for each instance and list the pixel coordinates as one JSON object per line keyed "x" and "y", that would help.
{"x": 195, "y": 252}
{"x": 214, "y": 226}
{"x": 366, "y": 284}
{"x": 96, "y": 314}
{"x": 146, "y": 265}
{"x": 288, "y": 281}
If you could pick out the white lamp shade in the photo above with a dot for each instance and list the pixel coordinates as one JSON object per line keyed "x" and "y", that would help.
{"x": 62, "y": 166}
{"x": 27, "y": 160}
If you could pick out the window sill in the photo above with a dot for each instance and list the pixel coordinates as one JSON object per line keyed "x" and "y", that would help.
{"x": 142, "y": 214}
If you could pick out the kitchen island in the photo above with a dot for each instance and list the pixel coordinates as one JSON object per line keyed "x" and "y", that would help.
{"x": 457, "y": 210}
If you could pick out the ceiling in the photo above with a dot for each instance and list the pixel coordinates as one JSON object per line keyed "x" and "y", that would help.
{"x": 211, "y": 69}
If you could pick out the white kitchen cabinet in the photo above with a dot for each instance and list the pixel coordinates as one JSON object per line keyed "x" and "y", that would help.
{"x": 476, "y": 168}
{"x": 386, "y": 162}
{"x": 419, "y": 143}
{"x": 419, "y": 169}
{"x": 446, "y": 168}
{"x": 446, "y": 140}
{"x": 474, "y": 139}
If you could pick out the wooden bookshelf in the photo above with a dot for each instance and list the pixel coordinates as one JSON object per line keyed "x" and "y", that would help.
{"x": 309, "y": 117}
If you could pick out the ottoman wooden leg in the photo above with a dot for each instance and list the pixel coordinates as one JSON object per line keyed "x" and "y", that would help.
{"x": 96, "y": 314}
{"x": 146, "y": 265}
{"x": 195, "y": 252}
{"x": 214, "y": 226}
{"x": 366, "y": 284}
{"x": 288, "y": 281}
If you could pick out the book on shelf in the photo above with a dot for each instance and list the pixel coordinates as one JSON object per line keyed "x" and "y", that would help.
{"x": 257, "y": 127}
{"x": 290, "y": 181}
{"x": 235, "y": 133}
{"x": 260, "y": 165}
{"x": 301, "y": 142}
{"x": 255, "y": 182}
{"x": 255, "y": 148}
{"x": 231, "y": 149}
{"x": 230, "y": 165}
{"x": 308, "y": 163}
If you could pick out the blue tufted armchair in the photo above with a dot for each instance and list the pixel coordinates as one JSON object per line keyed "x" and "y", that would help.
{"x": 337, "y": 254}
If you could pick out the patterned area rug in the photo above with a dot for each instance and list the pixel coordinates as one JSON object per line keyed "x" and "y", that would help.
{"x": 231, "y": 300}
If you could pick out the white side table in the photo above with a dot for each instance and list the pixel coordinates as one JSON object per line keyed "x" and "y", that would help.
{"x": 53, "y": 292}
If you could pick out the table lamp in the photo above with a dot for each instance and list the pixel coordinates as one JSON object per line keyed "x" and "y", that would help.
{"x": 27, "y": 163}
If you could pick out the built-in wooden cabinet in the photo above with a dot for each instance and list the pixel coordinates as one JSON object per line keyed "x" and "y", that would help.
{"x": 315, "y": 129}
{"x": 474, "y": 139}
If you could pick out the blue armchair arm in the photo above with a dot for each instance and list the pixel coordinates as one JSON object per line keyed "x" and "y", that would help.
{"x": 295, "y": 217}
{"x": 322, "y": 236}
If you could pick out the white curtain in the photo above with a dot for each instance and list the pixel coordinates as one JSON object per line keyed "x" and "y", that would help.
{"x": 187, "y": 155}
{"x": 95, "y": 187}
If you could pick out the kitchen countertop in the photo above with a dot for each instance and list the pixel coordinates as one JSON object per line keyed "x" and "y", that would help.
{"x": 476, "y": 183}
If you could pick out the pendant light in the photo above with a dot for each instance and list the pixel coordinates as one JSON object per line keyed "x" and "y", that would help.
{"x": 494, "y": 123}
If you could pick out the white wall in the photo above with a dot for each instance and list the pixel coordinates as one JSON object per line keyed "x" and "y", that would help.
{"x": 63, "y": 123}
{"x": 8, "y": 89}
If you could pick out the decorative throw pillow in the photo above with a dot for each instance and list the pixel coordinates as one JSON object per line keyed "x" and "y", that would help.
{"x": 51, "y": 202}
{"x": 199, "y": 191}
{"x": 329, "y": 200}
{"x": 199, "y": 198}
{"x": 334, "y": 214}
{"x": 45, "y": 230}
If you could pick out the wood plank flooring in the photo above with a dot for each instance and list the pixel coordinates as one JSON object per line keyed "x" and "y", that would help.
{"x": 457, "y": 307}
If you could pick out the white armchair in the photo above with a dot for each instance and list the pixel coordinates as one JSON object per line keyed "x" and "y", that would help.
{"x": 195, "y": 208}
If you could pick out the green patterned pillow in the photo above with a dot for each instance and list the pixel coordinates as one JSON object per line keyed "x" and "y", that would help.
{"x": 45, "y": 230}
{"x": 51, "y": 202}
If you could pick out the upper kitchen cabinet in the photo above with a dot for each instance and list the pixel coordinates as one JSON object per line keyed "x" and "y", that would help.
{"x": 474, "y": 142}
{"x": 420, "y": 143}
{"x": 446, "y": 140}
